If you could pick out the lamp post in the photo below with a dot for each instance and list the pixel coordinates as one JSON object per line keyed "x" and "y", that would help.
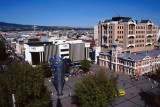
{"x": 14, "y": 101}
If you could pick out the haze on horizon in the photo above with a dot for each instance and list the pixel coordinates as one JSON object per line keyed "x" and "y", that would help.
{"x": 76, "y": 13}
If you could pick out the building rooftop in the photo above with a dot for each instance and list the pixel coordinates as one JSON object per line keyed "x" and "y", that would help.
{"x": 116, "y": 44}
{"x": 144, "y": 21}
{"x": 39, "y": 43}
{"x": 135, "y": 56}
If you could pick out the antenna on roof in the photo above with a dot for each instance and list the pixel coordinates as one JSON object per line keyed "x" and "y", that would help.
{"x": 34, "y": 27}
{"x": 117, "y": 14}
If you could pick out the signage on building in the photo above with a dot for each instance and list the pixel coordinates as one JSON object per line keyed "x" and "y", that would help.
{"x": 87, "y": 44}
{"x": 36, "y": 49}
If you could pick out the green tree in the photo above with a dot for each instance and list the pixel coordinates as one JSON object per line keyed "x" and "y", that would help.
{"x": 96, "y": 90}
{"x": 158, "y": 73}
{"x": 47, "y": 70}
{"x": 85, "y": 65}
{"x": 67, "y": 68}
{"x": 3, "y": 54}
{"x": 27, "y": 83}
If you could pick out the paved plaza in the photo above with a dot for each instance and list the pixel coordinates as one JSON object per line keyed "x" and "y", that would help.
{"x": 138, "y": 93}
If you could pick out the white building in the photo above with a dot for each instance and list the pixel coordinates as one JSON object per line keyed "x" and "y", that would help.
{"x": 76, "y": 50}
{"x": 95, "y": 32}
{"x": 159, "y": 34}
{"x": 97, "y": 50}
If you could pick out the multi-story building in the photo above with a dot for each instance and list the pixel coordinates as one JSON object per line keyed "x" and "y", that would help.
{"x": 131, "y": 35}
{"x": 136, "y": 63}
{"x": 95, "y": 32}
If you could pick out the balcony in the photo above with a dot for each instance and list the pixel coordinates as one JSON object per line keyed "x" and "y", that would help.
{"x": 131, "y": 35}
{"x": 131, "y": 45}
{"x": 105, "y": 44}
{"x": 149, "y": 35}
{"x": 105, "y": 35}
{"x": 149, "y": 43}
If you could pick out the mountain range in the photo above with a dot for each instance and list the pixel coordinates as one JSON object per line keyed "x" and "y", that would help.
{"x": 20, "y": 27}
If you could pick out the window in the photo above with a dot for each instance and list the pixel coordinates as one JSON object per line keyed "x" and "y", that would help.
{"x": 62, "y": 50}
{"x": 64, "y": 54}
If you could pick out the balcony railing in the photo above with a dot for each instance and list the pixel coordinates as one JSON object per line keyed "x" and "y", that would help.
{"x": 149, "y": 43}
{"x": 131, "y": 45}
{"x": 149, "y": 35}
{"x": 131, "y": 35}
{"x": 105, "y": 44}
{"x": 105, "y": 35}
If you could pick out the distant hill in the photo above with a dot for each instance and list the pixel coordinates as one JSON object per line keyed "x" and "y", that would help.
{"x": 19, "y": 27}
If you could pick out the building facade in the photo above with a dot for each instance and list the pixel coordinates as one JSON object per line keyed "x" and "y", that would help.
{"x": 36, "y": 53}
{"x": 95, "y": 32}
{"x": 136, "y": 63}
{"x": 131, "y": 35}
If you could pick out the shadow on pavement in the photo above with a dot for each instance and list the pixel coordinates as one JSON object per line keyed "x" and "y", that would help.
{"x": 148, "y": 98}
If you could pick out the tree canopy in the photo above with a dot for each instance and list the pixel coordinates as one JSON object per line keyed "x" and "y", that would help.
{"x": 47, "y": 69}
{"x": 95, "y": 90}
{"x": 27, "y": 83}
{"x": 85, "y": 65}
{"x": 3, "y": 54}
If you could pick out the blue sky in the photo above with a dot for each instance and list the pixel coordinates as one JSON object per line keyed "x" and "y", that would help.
{"x": 76, "y": 13}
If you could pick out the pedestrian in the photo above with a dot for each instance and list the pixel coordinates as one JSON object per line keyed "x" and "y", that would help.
{"x": 132, "y": 92}
{"x": 149, "y": 79}
{"x": 69, "y": 94}
{"x": 49, "y": 80}
{"x": 152, "y": 86}
{"x": 124, "y": 84}
{"x": 52, "y": 94}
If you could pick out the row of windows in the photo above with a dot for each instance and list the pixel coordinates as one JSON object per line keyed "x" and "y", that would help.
{"x": 120, "y": 32}
{"x": 131, "y": 27}
{"x": 140, "y": 36}
{"x": 141, "y": 45}
{"x": 120, "y": 41}
{"x": 130, "y": 42}
{"x": 110, "y": 36}
{"x": 120, "y": 27}
{"x": 140, "y": 27}
{"x": 138, "y": 32}
{"x": 130, "y": 32}
{"x": 155, "y": 27}
{"x": 154, "y": 35}
{"x": 154, "y": 32}
{"x": 110, "y": 41}
{"x": 110, "y": 32}
{"x": 139, "y": 41}
{"x": 110, "y": 27}
{"x": 119, "y": 37}
{"x": 148, "y": 40}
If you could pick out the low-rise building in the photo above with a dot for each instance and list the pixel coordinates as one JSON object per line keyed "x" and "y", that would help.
{"x": 136, "y": 63}
{"x": 75, "y": 50}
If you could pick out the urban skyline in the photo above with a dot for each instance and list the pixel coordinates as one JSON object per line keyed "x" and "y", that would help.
{"x": 79, "y": 13}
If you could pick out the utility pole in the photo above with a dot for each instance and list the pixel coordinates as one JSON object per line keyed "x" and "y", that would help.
{"x": 14, "y": 101}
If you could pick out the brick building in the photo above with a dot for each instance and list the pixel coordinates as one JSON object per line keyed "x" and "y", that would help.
{"x": 131, "y": 35}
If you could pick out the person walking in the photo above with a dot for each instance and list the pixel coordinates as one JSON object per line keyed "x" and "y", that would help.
{"x": 149, "y": 79}
{"x": 132, "y": 92}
